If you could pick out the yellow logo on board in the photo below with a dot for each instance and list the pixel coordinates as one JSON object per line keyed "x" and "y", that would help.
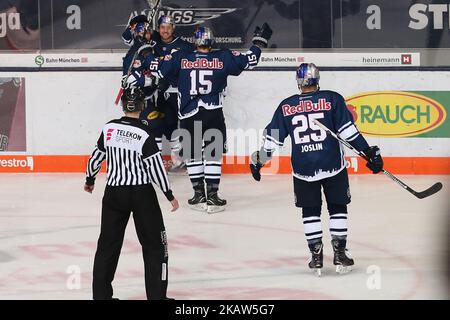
{"x": 395, "y": 113}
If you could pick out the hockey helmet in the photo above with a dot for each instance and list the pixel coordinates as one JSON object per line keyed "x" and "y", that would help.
{"x": 307, "y": 75}
{"x": 133, "y": 100}
{"x": 143, "y": 31}
{"x": 140, "y": 27}
{"x": 166, "y": 20}
{"x": 203, "y": 37}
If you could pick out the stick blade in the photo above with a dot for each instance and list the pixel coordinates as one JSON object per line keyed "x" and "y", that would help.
{"x": 430, "y": 191}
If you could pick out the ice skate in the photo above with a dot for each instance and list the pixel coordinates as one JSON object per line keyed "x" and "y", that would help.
{"x": 316, "y": 262}
{"x": 342, "y": 258}
{"x": 198, "y": 201}
{"x": 177, "y": 168}
{"x": 214, "y": 202}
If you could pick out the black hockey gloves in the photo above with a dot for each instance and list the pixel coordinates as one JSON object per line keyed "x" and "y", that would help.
{"x": 256, "y": 165}
{"x": 375, "y": 162}
{"x": 262, "y": 35}
{"x": 138, "y": 19}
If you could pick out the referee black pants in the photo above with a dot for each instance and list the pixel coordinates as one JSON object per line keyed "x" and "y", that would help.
{"x": 118, "y": 203}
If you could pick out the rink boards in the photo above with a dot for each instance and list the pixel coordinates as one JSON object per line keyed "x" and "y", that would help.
{"x": 403, "y": 112}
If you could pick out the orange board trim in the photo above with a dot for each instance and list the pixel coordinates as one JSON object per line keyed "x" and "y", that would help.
{"x": 231, "y": 164}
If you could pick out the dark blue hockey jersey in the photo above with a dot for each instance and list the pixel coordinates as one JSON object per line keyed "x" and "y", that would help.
{"x": 140, "y": 75}
{"x": 163, "y": 49}
{"x": 315, "y": 155}
{"x": 135, "y": 44}
{"x": 202, "y": 77}
{"x": 177, "y": 44}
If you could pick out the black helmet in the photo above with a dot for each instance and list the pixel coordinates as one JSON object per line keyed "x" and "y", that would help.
{"x": 133, "y": 100}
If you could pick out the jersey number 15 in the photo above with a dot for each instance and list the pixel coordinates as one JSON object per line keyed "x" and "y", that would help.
{"x": 199, "y": 85}
{"x": 302, "y": 123}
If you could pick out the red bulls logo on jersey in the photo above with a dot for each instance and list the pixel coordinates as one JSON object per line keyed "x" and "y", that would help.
{"x": 306, "y": 106}
{"x": 201, "y": 63}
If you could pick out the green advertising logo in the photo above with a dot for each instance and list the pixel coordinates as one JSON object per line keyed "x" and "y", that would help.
{"x": 39, "y": 60}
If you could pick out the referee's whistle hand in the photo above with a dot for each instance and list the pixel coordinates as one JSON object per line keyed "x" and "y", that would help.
{"x": 88, "y": 188}
{"x": 174, "y": 204}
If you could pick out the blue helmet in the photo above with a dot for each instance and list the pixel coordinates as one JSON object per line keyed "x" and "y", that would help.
{"x": 203, "y": 37}
{"x": 139, "y": 27}
{"x": 166, "y": 20}
{"x": 307, "y": 75}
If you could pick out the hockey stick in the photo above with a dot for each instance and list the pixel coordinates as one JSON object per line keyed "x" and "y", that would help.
{"x": 119, "y": 94}
{"x": 253, "y": 17}
{"x": 422, "y": 194}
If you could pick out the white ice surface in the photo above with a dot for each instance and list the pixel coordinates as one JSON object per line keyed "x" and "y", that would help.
{"x": 254, "y": 250}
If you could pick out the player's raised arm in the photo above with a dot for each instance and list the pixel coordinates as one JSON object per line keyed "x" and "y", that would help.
{"x": 129, "y": 33}
{"x": 249, "y": 59}
{"x": 262, "y": 35}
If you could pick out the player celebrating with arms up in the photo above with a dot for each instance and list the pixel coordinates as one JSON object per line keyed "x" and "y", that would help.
{"x": 317, "y": 160}
{"x": 202, "y": 80}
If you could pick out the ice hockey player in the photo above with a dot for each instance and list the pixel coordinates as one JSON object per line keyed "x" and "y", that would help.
{"x": 167, "y": 43}
{"x": 317, "y": 160}
{"x": 202, "y": 80}
{"x": 141, "y": 77}
{"x": 137, "y": 34}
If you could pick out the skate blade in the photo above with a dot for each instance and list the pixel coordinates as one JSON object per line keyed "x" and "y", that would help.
{"x": 340, "y": 269}
{"x": 317, "y": 272}
{"x": 215, "y": 209}
{"x": 198, "y": 207}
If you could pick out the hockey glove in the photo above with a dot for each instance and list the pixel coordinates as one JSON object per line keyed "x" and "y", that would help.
{"x": 129, "y": 82}
{"x": 262, "y": 35}
{"x": 375, "y": 162}
{"x": 125, "y": 84}
{"x": 256, "y": 165}
{"x": 138, "y": 19}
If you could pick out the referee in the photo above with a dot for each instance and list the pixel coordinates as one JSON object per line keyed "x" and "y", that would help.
{"x": 134, "y": 162}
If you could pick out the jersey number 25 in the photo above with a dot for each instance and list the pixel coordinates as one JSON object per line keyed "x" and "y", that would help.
{"x": 302, "y": 123}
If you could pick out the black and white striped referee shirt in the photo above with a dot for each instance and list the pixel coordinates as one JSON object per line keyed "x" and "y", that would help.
{"x": 132, "y": 156}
